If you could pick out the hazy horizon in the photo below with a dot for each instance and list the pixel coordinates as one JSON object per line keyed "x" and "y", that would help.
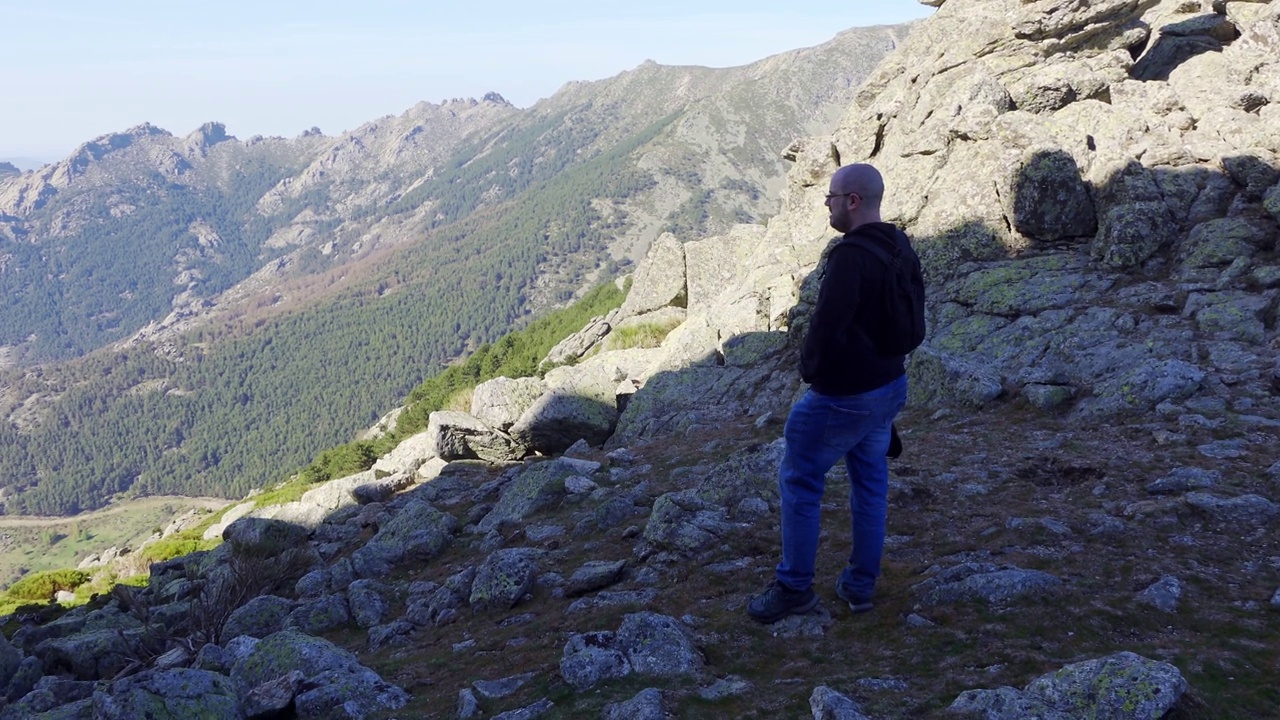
{"x": 282, "y": 68}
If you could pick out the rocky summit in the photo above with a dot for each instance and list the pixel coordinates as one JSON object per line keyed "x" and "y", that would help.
{"x": 1083, "y": 525}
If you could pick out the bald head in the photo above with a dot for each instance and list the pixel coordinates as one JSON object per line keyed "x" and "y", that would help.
{"x": 854, "y": 197}
{"x": 862, "y": 179}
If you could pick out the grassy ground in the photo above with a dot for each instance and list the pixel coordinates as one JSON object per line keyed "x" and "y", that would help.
{"x": 953, "y": 497}
{"x": 32, "y": 544}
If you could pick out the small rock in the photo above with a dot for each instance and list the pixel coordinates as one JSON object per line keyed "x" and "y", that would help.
{"x": 1222, "y": 449}
{"x": 1183, "y": 479}
{"x": 827, "y": 704}
{"x": 1275, "y": 599}
{"x": 919, "y": 621}
{"x": 1163, "y": 594}
{"x": 646, "y": 705}
{"x": 495, "y": 689}
{"x": 272, "y": 698}
{"x": 1166, "y": 437}
{"x": 724, "y": 687}
{"x": 622, "y": 457}
{"x": 812, "y": 624}
{"x": 539, "y": 533}
{"x": 580, "y": 449}
{"x": 882, "y": 685}
{"x": 529, "y": 712}
{"x": 580, "y": 485}
{"x": 595, "y": 575}
{"x": 468, "y": 706}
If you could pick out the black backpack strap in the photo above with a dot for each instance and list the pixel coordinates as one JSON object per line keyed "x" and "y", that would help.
{"x": 864, "y": 241}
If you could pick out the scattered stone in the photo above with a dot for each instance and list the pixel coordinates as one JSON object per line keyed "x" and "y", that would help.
{"x": 468, "y": 705}
{"x": 827, "y": 704}
{"x": 595, "y": 575}
{"x": 1244, "y": 510}
{"x": 393, "y": 633}
{"x": 369, "y": 601}
{"x": 495, "y": 689}
{"x": 591, "y": 658}
{"x": 646, "y": 705}
{"x": 646, "y": 643}
{"x": 260, "y": 617}
{"x": 607, "y": 598}
{"x": 504, "y": 579}
{"x": 580, "y": 449}
{"x": 1183, "y": 479}
{"x": 1164, "y": 594}
{"x": 1005, "y": 703}
{"x": 724, "y": 687}
{"x": 528, "y": 712}
{"x": 95, "y": 655}
{"x": 321, "y": 615}
{"x": 1048, "y": 397}
{"x": 919, "y": 621}
{"x": 23, "y": 679}
{"x": 995, "y": 584}
{"x": 881, "y": 685}
{"x": 621, "y": 457}
{"x": 580, "y": 485}
{"x": 418, "y": 532}
{"x": 272, "y": 698}
{"x": 540, "y": 533}
{"x": 813, "y": 624}
{"x": 1222, "y": 449}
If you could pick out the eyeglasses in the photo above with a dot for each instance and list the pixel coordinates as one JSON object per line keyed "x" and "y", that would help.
{"x": 832, "y": 196}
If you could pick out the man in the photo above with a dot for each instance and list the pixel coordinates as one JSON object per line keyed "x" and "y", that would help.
{"x": 855, "y": 393}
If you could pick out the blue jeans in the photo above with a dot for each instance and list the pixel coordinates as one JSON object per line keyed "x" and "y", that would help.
{"x": 820, "y": 430}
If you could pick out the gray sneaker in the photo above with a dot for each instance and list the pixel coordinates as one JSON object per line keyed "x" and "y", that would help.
{"x": 857, "y": 603}
{"x": 779, "y": 601}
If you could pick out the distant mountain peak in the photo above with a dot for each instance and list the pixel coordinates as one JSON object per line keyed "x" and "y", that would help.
{"x": 8, "y": 170}
{"x": 208, "y": 135}
{"x": 493, "y": 97}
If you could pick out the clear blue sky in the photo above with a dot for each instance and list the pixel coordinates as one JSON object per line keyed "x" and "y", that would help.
{"x": 76, "y": 69}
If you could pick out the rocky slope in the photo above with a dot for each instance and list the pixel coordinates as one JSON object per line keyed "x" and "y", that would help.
{"x": 1083, "y": 525}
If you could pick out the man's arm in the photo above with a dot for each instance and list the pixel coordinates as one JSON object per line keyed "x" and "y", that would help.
{"x": 837, "y": 301}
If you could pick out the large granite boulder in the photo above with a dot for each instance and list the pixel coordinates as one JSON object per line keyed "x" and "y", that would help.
{"x": 339, "y": 686}
{"x": 659, "y": 279}
{"x": 456, "y": 435}
{"x": 418, "y": 531}
{"x": 177, "y": 694}
{"x": 500, "y": 402}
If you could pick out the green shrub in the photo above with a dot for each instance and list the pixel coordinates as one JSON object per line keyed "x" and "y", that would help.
{"x": 42, "y": 586}
{"x": 175, "y": 546}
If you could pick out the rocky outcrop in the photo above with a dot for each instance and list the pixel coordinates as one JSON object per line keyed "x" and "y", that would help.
{"x": 1124, "y": 685}
{"x": 1090, "y": 131}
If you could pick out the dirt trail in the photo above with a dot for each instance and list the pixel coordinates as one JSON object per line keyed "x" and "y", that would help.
{"x": 26, "y": 521}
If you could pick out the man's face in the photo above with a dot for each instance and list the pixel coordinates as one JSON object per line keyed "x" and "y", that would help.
{"x": 840, "y": 206}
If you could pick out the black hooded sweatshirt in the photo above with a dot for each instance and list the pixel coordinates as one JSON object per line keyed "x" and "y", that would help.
{"x": 838, "y": 357}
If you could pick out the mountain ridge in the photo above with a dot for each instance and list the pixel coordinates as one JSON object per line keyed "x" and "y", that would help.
{"x": 315, "y": 240}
